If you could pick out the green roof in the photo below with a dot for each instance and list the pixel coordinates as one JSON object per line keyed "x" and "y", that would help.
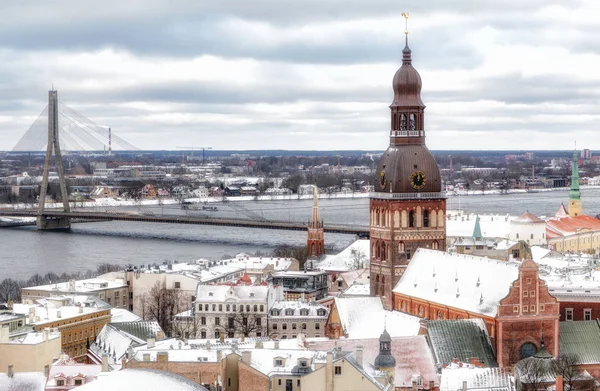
{"x": 462, "y": 339}
{"x": 581, "y": 338}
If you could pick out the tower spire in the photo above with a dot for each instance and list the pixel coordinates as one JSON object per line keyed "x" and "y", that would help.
{"x": 315, "y": 209}
{"x": 406, "y": 15}
{"x": 316, "y": 235}
{"x": 575, "y": 194}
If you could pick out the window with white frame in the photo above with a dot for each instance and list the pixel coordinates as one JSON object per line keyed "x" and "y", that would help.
{"x": 587, "y": 314}
{"x": 569, "y": 314}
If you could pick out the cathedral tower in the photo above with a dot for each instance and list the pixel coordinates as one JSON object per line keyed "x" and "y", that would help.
{"x": 574, "y": 194}
{"x": 408, "y": 207}
{"x": 316, "y": 236}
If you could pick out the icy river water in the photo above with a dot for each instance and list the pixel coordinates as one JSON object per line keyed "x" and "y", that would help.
{"x": 25, "y": 251}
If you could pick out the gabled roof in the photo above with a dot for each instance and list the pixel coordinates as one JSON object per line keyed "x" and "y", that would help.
{"x": 460, "y": 339}
{"x": 219, "y": 293}
{"x": 413, "y": 356}
{"x": 581, "y": 338}
{"x": 570, "y": 225}
{"x": 480, "y": 379}
{"x": 470, "y": 283}
{"x": 364, "y": 317}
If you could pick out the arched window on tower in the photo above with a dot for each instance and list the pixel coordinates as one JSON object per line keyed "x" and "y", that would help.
{"x": 411, "y": 218}
{"x": 425, "y": 218}
{"x": 402, "y": 122}
{"x": 413, "y": 123}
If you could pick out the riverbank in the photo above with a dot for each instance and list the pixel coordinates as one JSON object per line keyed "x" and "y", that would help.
{"x": 116, "y": 202}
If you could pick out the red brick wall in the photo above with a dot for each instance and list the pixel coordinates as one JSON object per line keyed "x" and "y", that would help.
{"x": 578, "y": 310}
{"x": 250, "y": 379}
{"x": 527, "y": 314}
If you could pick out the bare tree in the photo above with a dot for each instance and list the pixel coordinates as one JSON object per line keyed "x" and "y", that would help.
{"x": 534, "y": 374}
{"x": 245, "y": 324}
{"x": 10, "y": 290}
{"x": 161, "y": 304}
{"x": 358, "y": 258}
{"x": 565, "y": 365}
{"x": 185, "y": 325}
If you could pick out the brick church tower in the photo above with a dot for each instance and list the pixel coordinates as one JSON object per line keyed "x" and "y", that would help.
{"x": 408, "y": 207}
{"x": 316, "y": 236}
{"x": 527, "y": 317}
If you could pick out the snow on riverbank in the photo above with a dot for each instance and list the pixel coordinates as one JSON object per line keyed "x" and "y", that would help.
{"x": 115, "y": 202}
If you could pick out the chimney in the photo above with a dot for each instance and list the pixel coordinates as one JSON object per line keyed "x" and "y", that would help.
{"x": 104, "y": 362}
{"x": 431, "y": 385}
{"x": 222, "y": 337}
{"x": 46, "y": 371}
{"x": 58, "y": 314}
{"x": 31, "y": 315}
{"x": 162, "y": 357}
{"x": 464, "y": 387}
{"x": 559, "y": 383}
{"x": 10, "y": 372}
{"x": 150, "y": 341}
{"x": 359, "y": 355}
{"x": 276, "y": 342}
{"x": 219, "y": 355}
{"x": 246, "y": 356}
{"x": 80, "y": 309}
{"x": 415, "y": 387}
{"x": 4, "y": 333}
{"x": 146, "y": 357}
{"x": 329, "y": 372}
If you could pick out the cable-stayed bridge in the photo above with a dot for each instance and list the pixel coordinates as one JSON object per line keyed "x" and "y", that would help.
{"x": 58, "y": 124}
{"x": 75, "y": 131}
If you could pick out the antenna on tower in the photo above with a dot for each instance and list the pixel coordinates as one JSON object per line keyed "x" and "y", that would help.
{"x": 406, "y": 15}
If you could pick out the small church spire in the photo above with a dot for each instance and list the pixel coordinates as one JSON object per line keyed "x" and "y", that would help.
{"x": 316, "y": 236}
{"x": 575, "y": 194}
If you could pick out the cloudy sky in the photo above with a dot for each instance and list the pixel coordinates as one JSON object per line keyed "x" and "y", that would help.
{"x": 305, "y": 74}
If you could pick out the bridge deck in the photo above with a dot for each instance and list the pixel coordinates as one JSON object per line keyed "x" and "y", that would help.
{"x": 281, "y": 225}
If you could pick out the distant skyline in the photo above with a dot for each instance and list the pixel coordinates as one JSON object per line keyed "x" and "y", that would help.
{"x": 306, "y": 75}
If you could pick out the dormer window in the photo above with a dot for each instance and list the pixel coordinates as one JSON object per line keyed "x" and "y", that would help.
{"x": 251, "y": 294}
{"x": 289, "y": 312}
{"x": 321, "y": 312}
{"x": 210, "y": 293}
{"x": 304, "y": 312}
{"x": 278, "y": 362}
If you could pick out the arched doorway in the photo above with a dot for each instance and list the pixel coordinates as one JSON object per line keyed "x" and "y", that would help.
{"x": 527, "y": 350}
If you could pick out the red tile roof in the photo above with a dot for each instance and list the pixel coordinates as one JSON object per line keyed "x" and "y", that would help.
{"x": 570, "y": 225}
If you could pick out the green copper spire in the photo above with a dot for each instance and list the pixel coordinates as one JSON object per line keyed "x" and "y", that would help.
{"x": 477, "y": 229}
{"x": 575, "y": 194}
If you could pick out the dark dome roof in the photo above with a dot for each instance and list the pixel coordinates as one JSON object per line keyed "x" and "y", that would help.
{"x": 399, "y": 163}
{"x": 385, "y": 337}
{"x": 407, "y": 83}
{"x": 385, "y": 361}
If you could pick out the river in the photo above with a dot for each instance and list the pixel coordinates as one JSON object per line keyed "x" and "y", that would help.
{"x": 25, "y": 251}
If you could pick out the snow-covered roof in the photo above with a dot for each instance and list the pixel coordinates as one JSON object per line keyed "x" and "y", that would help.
{"x": 34, "y": 338}
{"x": 364, "y": 317}
{"x": 67, "y": 368}
{"x": 528, "y": 218}
{"x": 492, "y": 226}
{"x": 220, "y": 293}
{"x": 50, "y": 313}
{"x": 263, "y": 360}
{"x": 82, "y": 286}
{"x": 23, "y": 381}
{"x": 348, "y": 258}
{"x": 141, "y": 379}
{"x": 491, "y": 379}
{"x": 413, "y": 357}
{"x": 119, "y": 315}
{"x": 357, "y": 290}
{"x": 286, "y": 306}
{"x": 475, "y": 284}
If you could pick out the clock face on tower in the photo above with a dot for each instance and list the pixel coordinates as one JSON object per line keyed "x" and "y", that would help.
{"x": 418, "y": 180}
{"x": 382, "y": 179}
